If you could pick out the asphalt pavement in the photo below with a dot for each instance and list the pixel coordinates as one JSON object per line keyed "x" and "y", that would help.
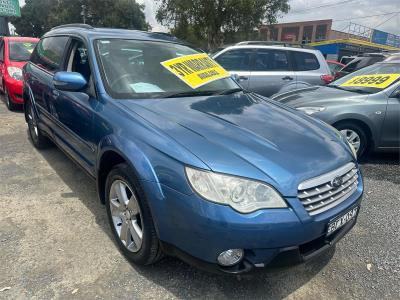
{"x": 55, "y": 241}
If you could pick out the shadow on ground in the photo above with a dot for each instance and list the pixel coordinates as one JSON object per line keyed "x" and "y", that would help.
{"x": 183, "y": 280}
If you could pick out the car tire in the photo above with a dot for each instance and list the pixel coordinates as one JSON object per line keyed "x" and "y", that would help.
{"x": 130, "y": 218}
{"x": 355, "y": 135}
{"x": 39, "y": 140}
{"x": 10, "y": 105}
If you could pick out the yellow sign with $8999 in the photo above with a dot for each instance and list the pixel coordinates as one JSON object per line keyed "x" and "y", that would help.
{"x": 379, "y": 81}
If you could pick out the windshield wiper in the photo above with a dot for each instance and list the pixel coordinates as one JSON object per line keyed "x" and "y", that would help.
{"x": 229, "y": 91}
{"x": 203, "y": 93}
{"x": 189, "y": 94}
{"x": 354, "y": 90}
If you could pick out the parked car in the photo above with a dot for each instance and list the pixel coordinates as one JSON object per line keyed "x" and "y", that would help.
{"x": 199, "y": 173}
{"x": 335, "y": 66}
{"x": 268, "y": 69}
{"x": 364, "y": 106}
{"x": 361, "y": 61}
{"x": 14, "y": 53}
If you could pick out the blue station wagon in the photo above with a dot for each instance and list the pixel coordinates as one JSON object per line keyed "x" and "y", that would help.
{"x": 220, "y": 177}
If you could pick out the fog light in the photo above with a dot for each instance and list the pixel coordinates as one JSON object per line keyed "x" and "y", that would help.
{"x": 230, "y": 257}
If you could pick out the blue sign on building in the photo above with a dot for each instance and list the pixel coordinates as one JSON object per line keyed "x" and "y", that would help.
{"x": 384, "y": 38}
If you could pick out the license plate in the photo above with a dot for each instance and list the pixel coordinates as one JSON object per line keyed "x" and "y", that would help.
{"x": 342, "y": 220}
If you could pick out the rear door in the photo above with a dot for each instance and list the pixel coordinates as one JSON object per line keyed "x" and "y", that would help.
{"x": 271, "y": 71}
{"x": 237, "y": 62}
{"x": 308, "y": 69}
{"x": 46, "y": 59}
{"x": 2, "y": 64}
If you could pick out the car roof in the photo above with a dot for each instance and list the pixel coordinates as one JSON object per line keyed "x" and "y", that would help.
{"x": 276, "y": 47}
{"x": 20, "y": 38}
{"x": 93, "y": 32}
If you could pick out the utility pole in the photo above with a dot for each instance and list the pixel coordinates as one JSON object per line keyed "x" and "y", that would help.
{"x": 83, "y": 13}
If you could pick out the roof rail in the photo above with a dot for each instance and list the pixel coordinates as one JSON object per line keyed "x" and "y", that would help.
{"x": 76, "y": 25}
{"x": 274, "y": 43}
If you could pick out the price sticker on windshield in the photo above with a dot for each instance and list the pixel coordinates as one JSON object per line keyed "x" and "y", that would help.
{"x": 379, "y": 81}
{"x": 195, "y": 70}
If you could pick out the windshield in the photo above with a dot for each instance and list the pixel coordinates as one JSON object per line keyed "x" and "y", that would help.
{"x": 132, "y": 69}
{"x": 371, "y": 79}
{"x": 21, "y": 51}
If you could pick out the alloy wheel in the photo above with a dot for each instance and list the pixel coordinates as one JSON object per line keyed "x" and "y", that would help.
{"x": 126, "y": 215}
{"x": 352, "y": 137}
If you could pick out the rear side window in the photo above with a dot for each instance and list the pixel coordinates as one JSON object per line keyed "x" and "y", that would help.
{"x": 49, "y": 53}
{"x": 271, "y": 60}
{"x": 305, "y": 61}
{"x": 235, "y": 60}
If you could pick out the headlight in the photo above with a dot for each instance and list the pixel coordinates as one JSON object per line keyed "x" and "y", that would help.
{"x": 311, "y": 110}
{"x": 241, "y": 194}
{"x": 15, "y": 72}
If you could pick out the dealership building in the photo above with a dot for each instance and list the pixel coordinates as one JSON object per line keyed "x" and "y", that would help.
{"x": 354, "y": 39}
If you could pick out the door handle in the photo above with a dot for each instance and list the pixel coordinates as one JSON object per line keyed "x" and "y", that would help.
{"x": 287, "y": 78}
{"x": 242, "y": 78}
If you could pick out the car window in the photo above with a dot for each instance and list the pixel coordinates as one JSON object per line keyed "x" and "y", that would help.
{"x": 334, "y": 67}
{"x": 271, "y": 60}
{"x": 79, "y": 60}
{"x": 2, "y": 50}
{"x": 360, "y": 63}
{"x": 49, "y": 53}
{"x": 133, "y": 69}
{"x": 235, "y": 60}
{"x": 20, "y": 51}
{"x": 305, "y": 61}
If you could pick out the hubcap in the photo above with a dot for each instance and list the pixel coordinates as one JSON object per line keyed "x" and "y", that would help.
{"x": 126, "y": 215}
{"x": 352, "y": 137}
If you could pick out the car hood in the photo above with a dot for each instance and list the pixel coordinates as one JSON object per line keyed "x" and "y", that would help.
{"x": 249, "y": 136}
{"x": 319, "y": 96}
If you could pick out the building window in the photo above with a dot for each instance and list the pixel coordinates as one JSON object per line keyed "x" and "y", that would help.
{"x": 290, "y": 34}
{"x": 320, "y": 33}
{"x": 273, "y": 34}
{"x": 307, "y": 34}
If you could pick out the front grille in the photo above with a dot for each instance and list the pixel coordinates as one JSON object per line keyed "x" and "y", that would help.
{"x": 328, "y": 190}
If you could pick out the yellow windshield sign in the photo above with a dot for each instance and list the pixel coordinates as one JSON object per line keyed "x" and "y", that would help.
{"x": 379, "y": 81}
{"x": 195, "y": 70}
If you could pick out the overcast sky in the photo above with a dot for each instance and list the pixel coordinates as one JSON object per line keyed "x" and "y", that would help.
{"x": 303, "y": 10}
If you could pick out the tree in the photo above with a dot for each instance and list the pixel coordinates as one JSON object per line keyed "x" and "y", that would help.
{"x": 210, "y": 19}
{"x": 39, "y": 16}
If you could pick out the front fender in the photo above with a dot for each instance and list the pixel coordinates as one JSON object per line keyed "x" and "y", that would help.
{"x": 149, "y": 163}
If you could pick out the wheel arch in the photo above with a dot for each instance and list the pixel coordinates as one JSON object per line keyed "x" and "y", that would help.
{"x": 110, "y": 156}
{"x": 363, "y": 124}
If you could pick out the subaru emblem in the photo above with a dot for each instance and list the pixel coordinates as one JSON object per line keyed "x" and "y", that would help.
{"x": 337, "y": 182}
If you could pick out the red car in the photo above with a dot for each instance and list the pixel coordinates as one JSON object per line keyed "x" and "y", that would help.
{"x": 334, "y": 66}
{"x": 14, "y": 53}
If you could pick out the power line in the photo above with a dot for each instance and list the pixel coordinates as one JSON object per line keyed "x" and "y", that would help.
{"x": 321, "y": 6}
{"x": 365, "y": 17}
{"x": 388, "y": 19}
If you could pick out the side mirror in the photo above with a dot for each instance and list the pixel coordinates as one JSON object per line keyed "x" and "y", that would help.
{"x": 69, "y": 81}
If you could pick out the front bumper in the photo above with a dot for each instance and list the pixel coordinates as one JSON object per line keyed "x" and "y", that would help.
{"x": 14, "y": 88}
{"x": 197, "y": 231}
